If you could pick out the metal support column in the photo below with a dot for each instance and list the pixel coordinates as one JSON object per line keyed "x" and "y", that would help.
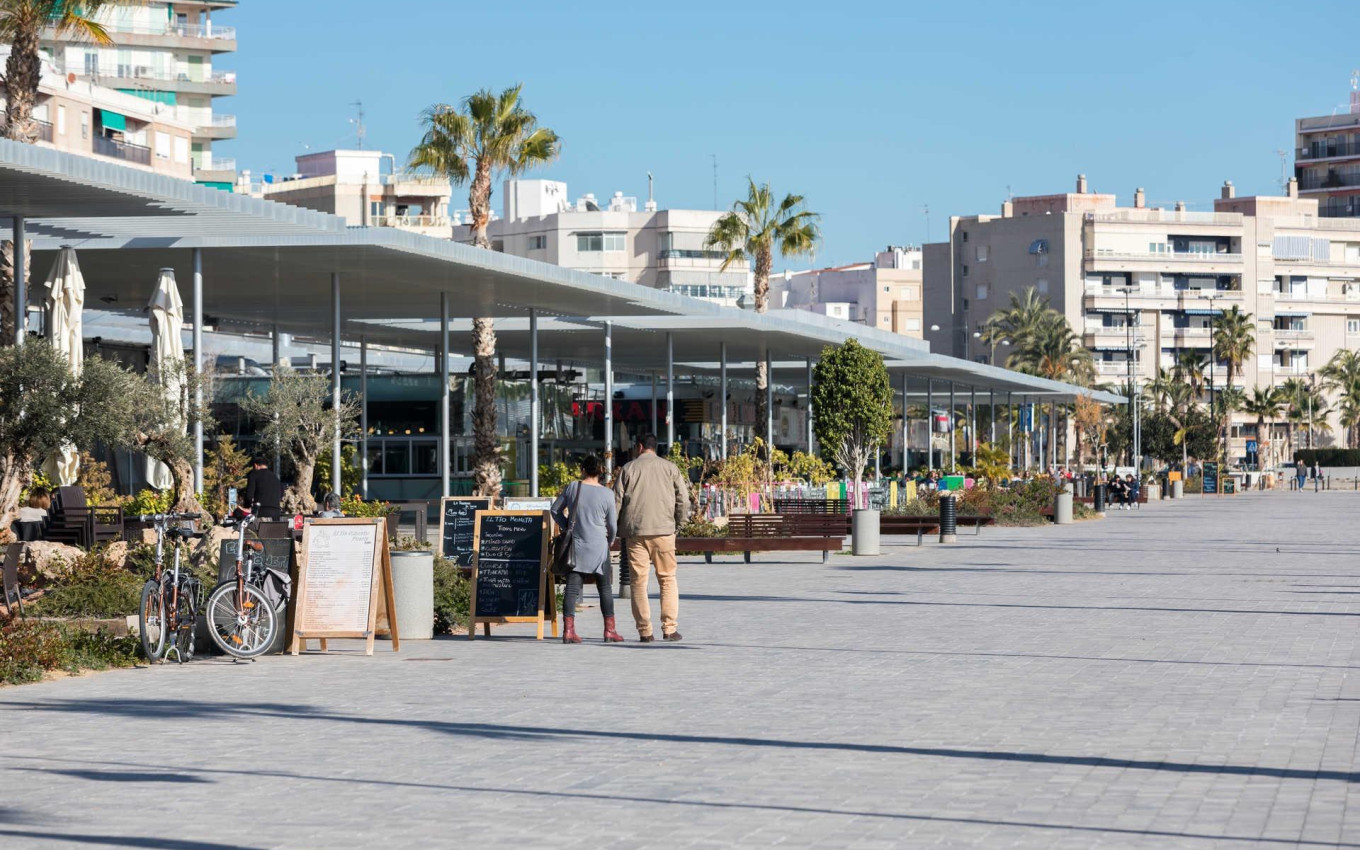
{"x": 1010, "y": 428}
{"x": 609, "y": 399}
{"x": 810, "y": 436}
{"x": 769, "y": 403}
{"x": 972, "y": 424}
{"x": 654, "y": 404}
{"x": 363, "y": 416}
{"x": 670, "y": 390}
{"x": 906, "y": 429}
{"x": 198, "y": 359}
{"x": 277, "y": 348}
{"x": 445, "y": 427}
{"x": 533, "y": 402}
{"x": 991, "y": 416}
{"x": 337, "y": 483}
{"x": 21, "y": 287}
{"x": 953, "y": 456}
{"x": 930, "y": 424}
{"x": 722, "y": 397}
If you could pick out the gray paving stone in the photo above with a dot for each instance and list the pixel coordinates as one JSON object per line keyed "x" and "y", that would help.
{"x": 1164, "y": 678}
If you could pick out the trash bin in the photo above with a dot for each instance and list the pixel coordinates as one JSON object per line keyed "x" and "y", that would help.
{"x": 1062, "y": 506}
{"x": 1178, "y": 489}
{"x": 413, "y": 592}
{"x": 1098, "y": 499}
{"x": 949, "y": 518}
{"x": 864, "y": 528}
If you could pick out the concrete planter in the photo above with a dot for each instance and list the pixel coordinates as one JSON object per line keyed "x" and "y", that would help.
{"x": 864, "y": 528}
{"x": 1178, "y": 489}
{"x": 413, "y": 589}
{"x": 1062, "y": 506}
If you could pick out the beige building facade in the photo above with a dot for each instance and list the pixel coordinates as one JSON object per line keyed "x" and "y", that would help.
{"x": 1148, "y": 280}
{"x": 662, "y": 249}
{"x": 885, "y": 294}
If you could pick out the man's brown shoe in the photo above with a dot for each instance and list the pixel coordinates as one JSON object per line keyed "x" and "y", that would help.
{"x": 673, "y": 636}
{"x": 645, "y": 638}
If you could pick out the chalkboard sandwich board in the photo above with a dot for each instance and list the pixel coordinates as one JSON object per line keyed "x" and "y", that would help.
{"x": 1210, "y": 478}
{"x": 457, "y": 521}
{"x": 344, "y": 579}
{"x": 510, "y": 568}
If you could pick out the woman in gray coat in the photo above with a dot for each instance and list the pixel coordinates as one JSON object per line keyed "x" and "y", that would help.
{"x": 586, "y": 507}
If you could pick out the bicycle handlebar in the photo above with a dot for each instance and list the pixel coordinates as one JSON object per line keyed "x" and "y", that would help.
{"x": 163, "y": 518}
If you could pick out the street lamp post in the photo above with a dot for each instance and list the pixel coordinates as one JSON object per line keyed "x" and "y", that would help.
{"x": 1133, "y": 340}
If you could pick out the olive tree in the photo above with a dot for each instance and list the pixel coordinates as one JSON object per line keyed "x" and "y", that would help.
{"x": 295, "y": 415}
{"x": 852, "y": 406}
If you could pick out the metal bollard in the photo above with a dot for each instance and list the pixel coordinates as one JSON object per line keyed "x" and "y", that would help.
{"x": 949, "y": 518}
{"x": 625, "y": 574}
{"x": 1098, "y": 500}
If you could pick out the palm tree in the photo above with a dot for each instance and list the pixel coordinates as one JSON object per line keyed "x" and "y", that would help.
{"x": 1234, "y": 340}
{"x": 1161, "y": 389}
{"x": 1016, "y": 324}
{"x": 1051, "y": 350}
{"x": 751, "y": 232}
{"x": 1191, "y": 367}
{"x": 491, "y": 134}
{"x": 1292, "y": 394}
{"x": 21, "y": 23}
{"x": 1266, "y": 405}
{"x": 1342, "y": 374}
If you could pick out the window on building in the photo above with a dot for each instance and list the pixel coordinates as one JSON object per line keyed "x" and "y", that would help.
{"x": 887, "y": 289}
{"x": 61, "y": 120}
{"x": 885, "y": 320}
{"x": 1353, "y": 326}
{"x": 538, "y": 243}
{"x": 615, "y": 241}
{"x": 965, "y": 271}
{"x": 375, "y": 209}
{"x": 181, "y": 150}
{"x": 981, "y": 291}
{"x": 1157, "y": 248}
{"x": 85, "y": 126}
{"x": 913, "y": 324}
{"x": 965, "y": 236}
{"x": 1042, "y": 286}
{"x": 982, "y": 253}
{"x": 162, "y": 145}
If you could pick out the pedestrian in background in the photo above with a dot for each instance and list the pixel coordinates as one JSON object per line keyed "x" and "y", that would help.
{"x": 653, "y": 503}
{"x": 1300, "y": 473}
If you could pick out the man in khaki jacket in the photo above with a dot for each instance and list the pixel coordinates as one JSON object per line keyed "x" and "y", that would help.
{"x": 653, "y": 501}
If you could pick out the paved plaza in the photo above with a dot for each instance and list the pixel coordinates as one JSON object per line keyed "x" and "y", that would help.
{"x": 1183, "y": 676}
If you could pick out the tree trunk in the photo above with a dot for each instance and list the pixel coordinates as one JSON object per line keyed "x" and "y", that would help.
{"x": 300, "y": 494}
{"x": 15, "y": 475}
{"x": 8, "y": 291}
{"x": 761, "y": 290}
{"x": 486, "y": 471}
{"x": 186, "y": 498}
{"x": 479, "y": 203}
{"x": 23, "y": 70}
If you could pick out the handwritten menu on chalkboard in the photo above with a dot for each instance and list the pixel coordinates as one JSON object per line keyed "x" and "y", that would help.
{"x": 277, "y": 555}
{"x": 457, "y": 521}
{"x": 1210, "y": 477}
{"x": 339, "y": 588}
{"x": 509, "y": 576}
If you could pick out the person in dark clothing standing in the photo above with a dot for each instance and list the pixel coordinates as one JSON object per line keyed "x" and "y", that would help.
{"x": 264, "y": 491}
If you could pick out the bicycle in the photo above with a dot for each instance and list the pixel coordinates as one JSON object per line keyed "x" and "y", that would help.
{"x": 168, "y": 611}
{"x": 241, "y": 618}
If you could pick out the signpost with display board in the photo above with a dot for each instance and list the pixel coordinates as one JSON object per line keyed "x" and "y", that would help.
{"x": 510, "y": 569}
{"x": 344, "y": 581}
{"x": 457, "y": 521}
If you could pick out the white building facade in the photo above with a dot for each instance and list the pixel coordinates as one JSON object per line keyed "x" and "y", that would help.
{"x": 885, "y": 293}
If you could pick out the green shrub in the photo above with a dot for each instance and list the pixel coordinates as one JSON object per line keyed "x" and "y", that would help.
{"x": 1194, "y": 484}
{"x": 29, "y": 648}
{"x": 1329, "y": 457}
{"x": 150, "y": 502}
{"x": 452, "y": 596}
{"x": 93, "y": 586}
{"x": 99, "y": 650}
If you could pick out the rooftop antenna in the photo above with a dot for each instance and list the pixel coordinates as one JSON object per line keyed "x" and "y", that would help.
{"x": 715, "y": 180}
{"x": 925, "y": 208}
{"x": 359, "y": 122}
{"x": 1284, "y": 169}
{"x": 1355, "y": 92}
{"x": 651, "y": 197}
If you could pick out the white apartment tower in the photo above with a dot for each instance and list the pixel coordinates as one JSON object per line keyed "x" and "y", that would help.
{"x": 166, "y": 52}
{"x": 663, "y": 249}
{"x": 883, "y": 294}
{"x": 1169, "y": 272}
{"x": 1327, "y": 159}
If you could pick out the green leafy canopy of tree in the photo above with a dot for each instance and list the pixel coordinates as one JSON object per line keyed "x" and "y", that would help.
{"x": 852, "y": 397}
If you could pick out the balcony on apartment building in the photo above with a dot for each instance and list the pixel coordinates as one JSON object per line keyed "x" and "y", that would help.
{"x": 440, "y": 226}
{"x": 168, "y": 34}
{"x": 684, "y": 258}
{"x": 1160, "y": 296}
{"x": 44, "y": 131}
{"x": 1315, "y": 182}
{"x": 126, "y": 151}
{"x": 1149, "y": 215}
{"x": 145, "y": 78}
{"x": 218, "y": 127}
{"x": 1319, "y": 149}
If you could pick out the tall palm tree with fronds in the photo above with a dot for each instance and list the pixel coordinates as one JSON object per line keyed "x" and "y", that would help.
{"x": 21, "y": 25}
{"x": 1293, "y": 392}
{"x": 1052, "y": 350}
{"x": 1234, "y": 339}
{"x": 489, "y": 135}
{"x": 1017, "y": 323}
{"x": 1342, "y": 375}
{"x": 751, "y": 232}
{"x": 1161, "y": 389}
{"x": 1191, "y": 367}
{"x": 1266, "y": 405}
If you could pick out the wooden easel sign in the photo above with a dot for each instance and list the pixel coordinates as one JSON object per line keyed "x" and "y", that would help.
{"x": 510, "y": 569}
{"x": 344, "y": 578}
{"x": 457, "y": 521}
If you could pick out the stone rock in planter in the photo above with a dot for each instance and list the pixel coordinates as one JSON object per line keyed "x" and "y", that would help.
{"x": 46, "y": 559}
{"x": 117, "y": 553}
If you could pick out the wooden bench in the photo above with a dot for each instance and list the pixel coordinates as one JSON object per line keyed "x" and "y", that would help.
{"x": 808, "y": 532}
{"x": 923, "y": 525}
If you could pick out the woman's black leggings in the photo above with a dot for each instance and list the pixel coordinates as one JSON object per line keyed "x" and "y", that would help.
{"x": 574, "y": 581}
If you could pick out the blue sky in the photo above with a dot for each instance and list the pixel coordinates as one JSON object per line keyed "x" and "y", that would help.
{"x": 871, "y": 110}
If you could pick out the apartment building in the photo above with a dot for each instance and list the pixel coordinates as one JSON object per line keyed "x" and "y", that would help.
{"x": 884, "y": 293}
{"x": 80, "y": 117}
{"x": 1149, "y": 280}
{"x": 165, "y": 52}
{"x": 1327, "y": 159}
{"x": 365, "y": 188}
{"x": 663, "y": 249}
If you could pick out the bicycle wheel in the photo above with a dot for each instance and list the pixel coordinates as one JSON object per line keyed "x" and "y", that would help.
{"x": 186, "y": 619}
{"x": 151, "y": 620}
{"x": 245, "y": 632}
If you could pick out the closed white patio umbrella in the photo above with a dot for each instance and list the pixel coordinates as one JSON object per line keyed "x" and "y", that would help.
{"x": 64, "y": 304}
{"x": 167, "y": 356}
